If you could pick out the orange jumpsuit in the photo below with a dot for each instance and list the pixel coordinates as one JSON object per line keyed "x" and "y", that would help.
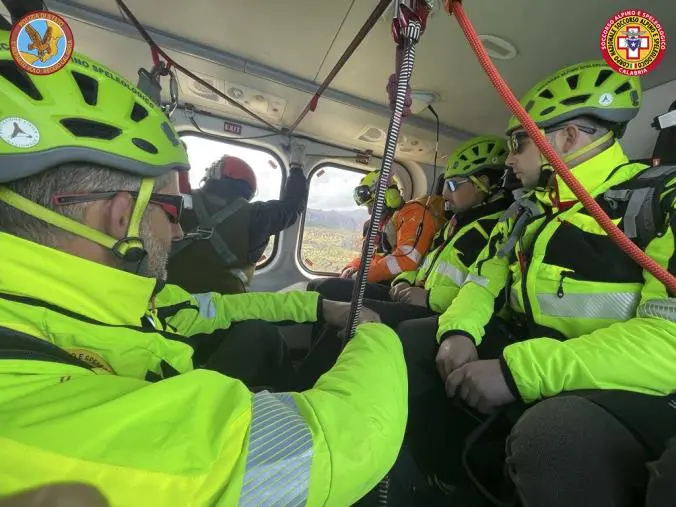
{"x": 408, "y": 233}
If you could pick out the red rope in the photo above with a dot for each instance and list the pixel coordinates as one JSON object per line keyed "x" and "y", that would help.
{"x": 649, "y": 264}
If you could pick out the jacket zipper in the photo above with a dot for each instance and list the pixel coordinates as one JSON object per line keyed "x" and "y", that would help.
{"x": 528, "y": 309}
{"x": 438, "y": 251}
{"x": 559, "y": 291}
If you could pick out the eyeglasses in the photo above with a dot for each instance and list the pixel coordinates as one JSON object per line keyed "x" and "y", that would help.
{"x": 453, "y": 184}
{"x": 515, "y": 142}
{"x": 362, "y": 194}
{"x": 172, "y": 205}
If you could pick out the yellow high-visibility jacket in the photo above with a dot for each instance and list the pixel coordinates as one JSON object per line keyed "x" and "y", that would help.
{"x": 94, "y": 389}
{"x": 596, "y": 319}
{"x": 454, "y": 249}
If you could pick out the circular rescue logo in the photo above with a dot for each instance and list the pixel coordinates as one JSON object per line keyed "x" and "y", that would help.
{"x": 633, "y": 42}
{"x": 18, "y": 132}
{"x": 41, "y": 43}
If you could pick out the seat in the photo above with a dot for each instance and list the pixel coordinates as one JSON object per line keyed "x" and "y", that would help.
{"x": 665, "y": 146}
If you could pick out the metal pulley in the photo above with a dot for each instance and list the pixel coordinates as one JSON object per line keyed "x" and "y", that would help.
{"x": 149, "y": 83}
{"x": 408, "y": 11}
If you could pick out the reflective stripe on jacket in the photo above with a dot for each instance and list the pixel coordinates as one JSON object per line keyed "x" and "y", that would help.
{"x": 454, "y": 249}
{"x": 146, "y": 429}
{"x": 410, "y": 231}
{"x": 596, "y": 320}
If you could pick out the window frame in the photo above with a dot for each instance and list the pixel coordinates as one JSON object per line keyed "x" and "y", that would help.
{"x": 301, "y": 226}
{"x": 235, "y": 142}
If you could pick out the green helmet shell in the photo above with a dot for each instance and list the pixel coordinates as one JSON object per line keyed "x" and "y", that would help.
{"x": 393, "y": 198}
{"x": 370, "y": 179}
{"x": 478, "y": 154}
{"x": 82, "y": 113}
{"x": 584, "y": 89}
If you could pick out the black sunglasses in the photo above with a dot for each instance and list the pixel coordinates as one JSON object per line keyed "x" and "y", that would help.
{"x": 362, "y": 194}
{"x": 172, "y": 205}
{"x": 515, "y": 142}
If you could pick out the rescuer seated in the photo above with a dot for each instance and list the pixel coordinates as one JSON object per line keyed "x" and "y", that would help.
{"x": 97, "y": 383}
{"x": 474, "y": 199}
{"x": 224, "y": 259}
{"x": 405, "y": 233}
{"x": 587, "y": 346}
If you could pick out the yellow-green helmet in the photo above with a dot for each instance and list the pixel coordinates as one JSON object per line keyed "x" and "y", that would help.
{"x": 590, "y": 88}
{"x": 483, "y": 153}
{"x": 82, "y": 113}
{"x": 364, "y": 194}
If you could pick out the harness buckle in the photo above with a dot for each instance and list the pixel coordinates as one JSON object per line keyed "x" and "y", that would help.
{"x": 407, "y": 12}
{"x": 199, "y": 233}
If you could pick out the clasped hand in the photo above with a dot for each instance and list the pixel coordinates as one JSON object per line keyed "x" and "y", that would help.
{"x": 480, "y": 383}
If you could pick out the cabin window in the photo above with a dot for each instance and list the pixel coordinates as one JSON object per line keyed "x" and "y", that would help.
{"x": 269, "y": 169}
{"x": 332, "y": 224}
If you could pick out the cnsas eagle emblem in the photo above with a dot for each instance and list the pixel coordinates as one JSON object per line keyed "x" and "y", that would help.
{"x": 41, "y": 43}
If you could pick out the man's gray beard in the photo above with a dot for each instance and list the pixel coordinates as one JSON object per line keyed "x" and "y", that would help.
{"x": 157, "y": 253}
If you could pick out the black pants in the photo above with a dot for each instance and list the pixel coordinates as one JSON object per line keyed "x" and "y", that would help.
{"x": 328, "y": 341}
{"x": 662, "y": 484}
{"x": 252, "y": 351}
{"x": 581, "y": 448}
{"x": 340, "y": 289}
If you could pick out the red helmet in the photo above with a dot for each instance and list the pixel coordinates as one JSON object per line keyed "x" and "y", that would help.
{"x": 184, "y": 183}
{"x": 184, "y": 188}
{"x": 235, "y": 168}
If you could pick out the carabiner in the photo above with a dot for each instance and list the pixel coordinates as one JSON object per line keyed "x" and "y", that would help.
{"x": 170, "y": 108}
{"x": 408, "y": 11}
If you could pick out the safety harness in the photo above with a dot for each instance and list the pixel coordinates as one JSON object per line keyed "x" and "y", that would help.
{"x": 207, "y": 230}
{"x": 645, "y": 206}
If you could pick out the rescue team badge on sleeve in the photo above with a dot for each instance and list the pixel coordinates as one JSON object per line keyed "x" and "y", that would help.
{"x": 633, "y": 42}
{"x": 92, "y": 359}
{"x": 41, "y": 43}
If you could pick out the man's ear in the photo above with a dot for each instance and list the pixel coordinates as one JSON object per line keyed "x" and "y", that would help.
{"x": 570, "y": 138}
{"x": 118, "y": 215}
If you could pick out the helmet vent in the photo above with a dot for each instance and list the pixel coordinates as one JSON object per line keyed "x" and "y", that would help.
{"x": 546, "y": 94}
{"x": 481, "y": 160}
{"x": 572, "y": 81}
{"x": 19, "y": 78}
{"x": 92, "y": 129}
{"x": 547, "y": 111}
{"x": 89, "y": 87}
{"x": 138, "y": 113}
{"x": 623, "y": 88}
{"x": 602, "y": 77}
{"x": 490, "y": 147}
{"x": 145, "y": 146}
{"x": 576, "y": 100}
{"x": 475, "y": 150}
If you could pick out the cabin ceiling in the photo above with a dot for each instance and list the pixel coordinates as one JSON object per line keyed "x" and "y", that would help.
{"x": 304, "y": 39}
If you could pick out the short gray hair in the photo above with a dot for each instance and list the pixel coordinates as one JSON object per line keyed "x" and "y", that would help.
{"x": 66, "y": 179}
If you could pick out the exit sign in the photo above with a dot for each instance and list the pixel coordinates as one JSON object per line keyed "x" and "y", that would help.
{"x": 232, "y": 128}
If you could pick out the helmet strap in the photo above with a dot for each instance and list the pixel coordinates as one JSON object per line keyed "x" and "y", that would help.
{"x": 480, "y": 184}
{"x": 129, "y": 249}
{"x": 547, "y": 171}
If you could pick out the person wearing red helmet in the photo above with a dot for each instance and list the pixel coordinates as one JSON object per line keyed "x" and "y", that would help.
{"x": 226, "y": 233}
